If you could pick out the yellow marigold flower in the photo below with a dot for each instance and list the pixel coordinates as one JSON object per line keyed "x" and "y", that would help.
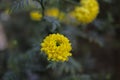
{"x": 53, "y": 12}
{"x": 35, "y": 15}
{"x": 87, "y": 12}
{"x": 56, "y": 47}
{"x": 91, "y": 5}
{"x": 56, "y": 13}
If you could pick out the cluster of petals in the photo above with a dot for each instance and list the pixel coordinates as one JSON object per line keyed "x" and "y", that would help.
{"x": 57, "y": 47}
{"x": 87, "y": 11}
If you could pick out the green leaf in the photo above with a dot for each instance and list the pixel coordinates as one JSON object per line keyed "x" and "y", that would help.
{"x": 22, "y": 5}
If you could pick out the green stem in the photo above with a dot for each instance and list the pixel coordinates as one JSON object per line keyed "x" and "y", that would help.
{"x": 42, "y": 5}
{"x": 43, "y": 8}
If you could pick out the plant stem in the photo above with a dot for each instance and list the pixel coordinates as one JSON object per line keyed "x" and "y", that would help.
{"x": 43, "y": 8}
{"x": 42, "y": 5}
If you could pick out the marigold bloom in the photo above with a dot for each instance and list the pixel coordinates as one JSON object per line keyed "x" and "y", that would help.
{"x": 56, "y": 13}
{"x": 87, "y": 12}
{"x": 56, "y": 47}
{"x": 35, "y": 15}
{"x": 52, "y": 12}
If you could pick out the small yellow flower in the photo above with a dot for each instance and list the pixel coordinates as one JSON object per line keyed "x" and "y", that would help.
{"x": 53, "y": 12}
{"x": 87, "y": 12}
{"x": 56, "y": 13}
{"x": 57, "y": 47}
{"x": 35, "y": 15}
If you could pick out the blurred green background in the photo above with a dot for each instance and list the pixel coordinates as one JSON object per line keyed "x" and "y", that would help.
{"x": 96, "y": 46}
